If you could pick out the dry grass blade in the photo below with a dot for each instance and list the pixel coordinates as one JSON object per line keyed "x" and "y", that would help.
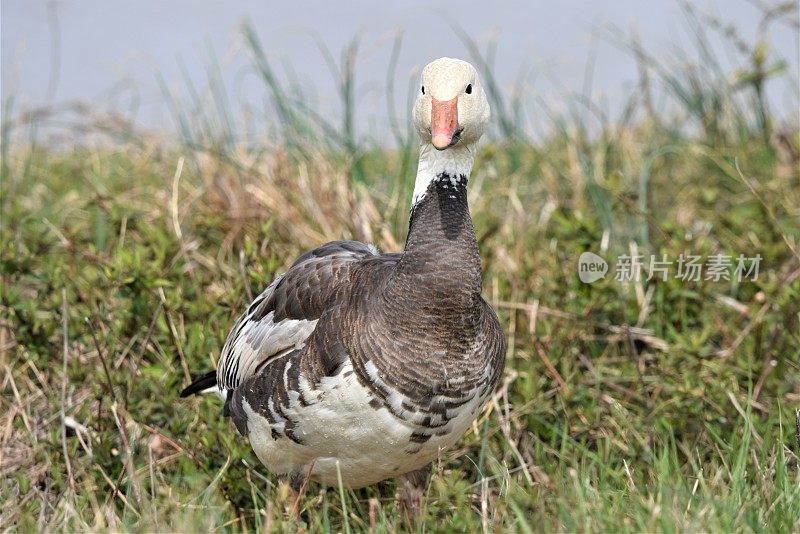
{"x": 64, "y": 381}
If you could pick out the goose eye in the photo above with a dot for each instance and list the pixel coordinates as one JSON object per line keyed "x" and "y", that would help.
{"x": 469, "y": 89}
{"x": 423, "y": 89}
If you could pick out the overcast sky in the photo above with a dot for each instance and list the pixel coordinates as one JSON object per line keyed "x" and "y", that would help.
{"x": 107, "y": 52}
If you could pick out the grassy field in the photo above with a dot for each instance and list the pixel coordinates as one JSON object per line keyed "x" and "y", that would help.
{"x": 638, "y": 406}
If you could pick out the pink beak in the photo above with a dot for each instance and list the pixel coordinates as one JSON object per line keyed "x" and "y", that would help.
{"x": 444, "y": 122}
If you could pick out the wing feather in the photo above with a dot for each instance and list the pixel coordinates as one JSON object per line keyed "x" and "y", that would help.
{"x": 282, "y": 317}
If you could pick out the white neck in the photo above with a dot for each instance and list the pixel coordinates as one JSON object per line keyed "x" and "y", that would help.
{"x": 454, "y": 161}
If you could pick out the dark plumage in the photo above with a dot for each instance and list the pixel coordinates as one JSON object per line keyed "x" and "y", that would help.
{"x": 364, "y": 365}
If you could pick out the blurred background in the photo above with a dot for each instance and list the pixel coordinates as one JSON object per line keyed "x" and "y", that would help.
{"x": 132, "y": 58}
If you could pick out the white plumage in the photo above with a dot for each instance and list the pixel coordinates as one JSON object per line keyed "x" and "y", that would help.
{"x": 369, "y": 444}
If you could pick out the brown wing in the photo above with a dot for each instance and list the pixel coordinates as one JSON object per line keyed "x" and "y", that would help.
{"x": 281, "y": 318}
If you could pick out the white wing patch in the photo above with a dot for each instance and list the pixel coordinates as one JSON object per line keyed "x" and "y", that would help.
{"x": 253, "y": 343}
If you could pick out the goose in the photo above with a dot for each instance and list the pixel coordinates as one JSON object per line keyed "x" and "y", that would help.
{"x": 354, "y": 366}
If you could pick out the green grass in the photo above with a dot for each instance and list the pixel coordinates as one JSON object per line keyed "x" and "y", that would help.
{"x": 653, "y": 406}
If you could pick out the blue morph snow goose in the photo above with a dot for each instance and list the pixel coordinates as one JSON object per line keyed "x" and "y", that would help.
{"x": 367, "y": 365}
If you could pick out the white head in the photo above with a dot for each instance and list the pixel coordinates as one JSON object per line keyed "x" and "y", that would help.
{"x": 451, "y": 114}
{"x": 451, "y": 106}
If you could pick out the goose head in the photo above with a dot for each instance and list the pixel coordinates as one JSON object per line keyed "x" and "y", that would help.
{"x": 451, "y": 109}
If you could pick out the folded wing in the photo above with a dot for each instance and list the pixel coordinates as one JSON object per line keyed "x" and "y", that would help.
{"x": 281, "y": 318}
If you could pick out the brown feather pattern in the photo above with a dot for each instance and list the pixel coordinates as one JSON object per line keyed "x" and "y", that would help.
{"x": 414, "y": 325}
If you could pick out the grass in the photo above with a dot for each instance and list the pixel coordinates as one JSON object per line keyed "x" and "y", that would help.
{"x": 654, "y": 405}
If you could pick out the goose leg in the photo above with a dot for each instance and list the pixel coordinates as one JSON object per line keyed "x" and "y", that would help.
{"x": 412, "y": 488}
{"x": 298, "y": 483}
{"x": 289, "y": 493}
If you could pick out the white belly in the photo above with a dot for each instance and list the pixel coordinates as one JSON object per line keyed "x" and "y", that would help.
{"x": 342, "y": 433}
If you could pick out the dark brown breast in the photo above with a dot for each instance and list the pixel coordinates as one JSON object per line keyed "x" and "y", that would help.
{"x": 414, "y": 325}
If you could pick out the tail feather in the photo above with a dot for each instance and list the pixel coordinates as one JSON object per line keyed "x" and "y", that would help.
{"x": 200, "y": 384}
